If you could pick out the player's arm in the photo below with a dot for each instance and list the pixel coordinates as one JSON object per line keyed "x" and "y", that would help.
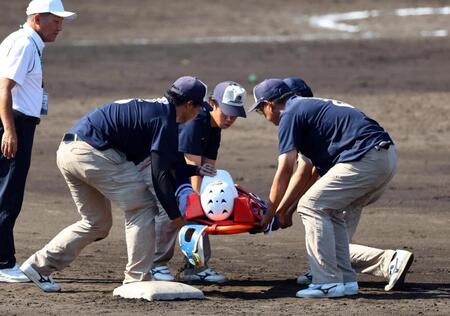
{"x": 9, "y": 138}
{"x": 164, "y": 185}
{"x": 196, "y": 160}
{"x": 302, "y": 179}
{"x": 280, "y": 183}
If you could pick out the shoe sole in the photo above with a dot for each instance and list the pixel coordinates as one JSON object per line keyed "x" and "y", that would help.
{"x": 319, "y": 296}
{"x": 401, "y": 279}
{"x": 38, "y": 284}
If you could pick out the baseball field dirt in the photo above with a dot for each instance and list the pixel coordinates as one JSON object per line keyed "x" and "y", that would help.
{"x": 394, "y": 66}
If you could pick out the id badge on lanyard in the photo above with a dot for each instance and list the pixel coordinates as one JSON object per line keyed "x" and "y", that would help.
{"x": 44, "y": 108}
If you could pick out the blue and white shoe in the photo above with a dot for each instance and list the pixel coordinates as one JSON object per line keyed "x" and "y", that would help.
{"x": 351, "y": 288}
{"x": 207, "y": 276}
{"x": 305, "y": 278}
{"x": 398, "y": 268}
{"x": 45, "y": 283}
{"x": 13, "y": 275}
{"x": 322, "y": 290}
{"x": 162, "y": 273}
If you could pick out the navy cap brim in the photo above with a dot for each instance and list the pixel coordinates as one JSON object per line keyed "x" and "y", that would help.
{"x": 232, "y": 110}
{"x": 255, "y": 105}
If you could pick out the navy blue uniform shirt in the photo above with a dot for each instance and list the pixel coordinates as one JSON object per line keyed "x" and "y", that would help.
{"x": 198, "y": 137}
{"x": 135, "y": 127}
{"x": 327, "y": 131}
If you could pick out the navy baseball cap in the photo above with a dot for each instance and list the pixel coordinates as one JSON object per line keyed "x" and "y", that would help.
{"x": 268, "y": 90}
{"x": 191, "y": 88}
{"x": 231, "y": 98}
{"x": 299, "y": 87}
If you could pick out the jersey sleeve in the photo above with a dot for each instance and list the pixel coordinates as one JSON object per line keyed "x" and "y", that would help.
{"x": 287, "y": 134}
{"x": 17, "y": 61}
{"x": 190, "y": 137}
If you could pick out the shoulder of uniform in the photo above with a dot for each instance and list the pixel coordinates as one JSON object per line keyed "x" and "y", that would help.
{"x": 22, "y": 41}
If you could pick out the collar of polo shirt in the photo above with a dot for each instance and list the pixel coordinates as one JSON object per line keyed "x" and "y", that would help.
{"x": 34, "y": 36}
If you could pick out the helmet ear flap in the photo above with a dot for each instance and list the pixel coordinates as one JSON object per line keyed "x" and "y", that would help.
{"x": 190, "y": 239}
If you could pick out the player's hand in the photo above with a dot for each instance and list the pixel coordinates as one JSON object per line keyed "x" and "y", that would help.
{"x": 178, "y": 222}
{"x": 284, "y": 219}
{"x": 267, "y": 218}
{"x": 207, "y": 170}
{"x": 9, "y": 144}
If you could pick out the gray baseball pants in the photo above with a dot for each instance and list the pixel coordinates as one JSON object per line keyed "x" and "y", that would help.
{"x": 95, "y": 178}
{"x": 331, "y": 209}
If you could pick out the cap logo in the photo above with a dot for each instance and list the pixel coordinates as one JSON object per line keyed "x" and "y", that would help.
{"x": 234, "y": 95}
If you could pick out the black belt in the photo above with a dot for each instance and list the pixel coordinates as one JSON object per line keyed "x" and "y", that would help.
{"x": 383, "y": 145}
{"x": 68, "y": 137}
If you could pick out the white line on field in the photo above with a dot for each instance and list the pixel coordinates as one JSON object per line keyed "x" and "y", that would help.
{"x": 332, "y": 21}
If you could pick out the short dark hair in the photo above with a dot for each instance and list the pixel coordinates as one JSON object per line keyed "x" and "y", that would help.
{"x": 177, "y": 100}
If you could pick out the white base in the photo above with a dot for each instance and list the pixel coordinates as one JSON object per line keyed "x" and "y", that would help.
{"x": 158, "y": 291}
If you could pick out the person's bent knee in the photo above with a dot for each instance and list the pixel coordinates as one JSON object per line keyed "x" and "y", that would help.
{"x": 98, "y": 230}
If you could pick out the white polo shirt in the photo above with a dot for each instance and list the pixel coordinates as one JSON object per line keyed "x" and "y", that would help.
{"x": 20, "y": 61}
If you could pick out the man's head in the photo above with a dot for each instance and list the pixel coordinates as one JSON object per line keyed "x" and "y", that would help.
{"x": 299, "y": 87}
{"x": 227, "y": 103}
{"x": 187, "y": 94}
{"x": 270, "y": 98}
{"x": 46, "y": 17}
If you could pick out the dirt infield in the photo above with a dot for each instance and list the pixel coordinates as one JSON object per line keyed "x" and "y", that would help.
{"x": 400, "y": 78}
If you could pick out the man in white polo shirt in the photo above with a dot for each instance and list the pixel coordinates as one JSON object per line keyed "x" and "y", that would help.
{"x": 22, "y": 102}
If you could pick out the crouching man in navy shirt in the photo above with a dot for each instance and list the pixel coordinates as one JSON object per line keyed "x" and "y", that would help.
{"x": 98, "y": 159}
{"x": 350, "y": 160}
{"x": 392, "y": 265}
{"x": 199, "y": 143}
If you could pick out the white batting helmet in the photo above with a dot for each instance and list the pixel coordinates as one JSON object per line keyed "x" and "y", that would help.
{"x": 217, "y": 196}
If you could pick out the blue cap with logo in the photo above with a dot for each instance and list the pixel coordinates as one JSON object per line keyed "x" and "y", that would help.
{"x": 268, "y": 90}
{"x": 191, "y": 88}
{"x": 299, "y": 87}
{"x": 231, "y": 98}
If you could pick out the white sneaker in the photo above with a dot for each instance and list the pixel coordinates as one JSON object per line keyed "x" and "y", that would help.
{"x": 207, "y": 275}
{"x": 398, "y": 268}
{"x": 305, "y": 278}
{"x": 322, "y": 290}
{"x": 46, "y": 284}
{"x": 351, "y": 288}
{"x": 162, "y": 273}
{"x": 13, "y": 275}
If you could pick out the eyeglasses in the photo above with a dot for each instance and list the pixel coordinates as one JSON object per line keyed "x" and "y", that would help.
{"x": 260, "y": 108}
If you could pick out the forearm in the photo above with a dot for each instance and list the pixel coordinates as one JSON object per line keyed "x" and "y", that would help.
{"x": 164, "y": 185}
{"x": 300, "y": 182}
{"x": 278, "y": 188}
{"x": 198, "y": 161}
{"x": 196, "y": 182}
